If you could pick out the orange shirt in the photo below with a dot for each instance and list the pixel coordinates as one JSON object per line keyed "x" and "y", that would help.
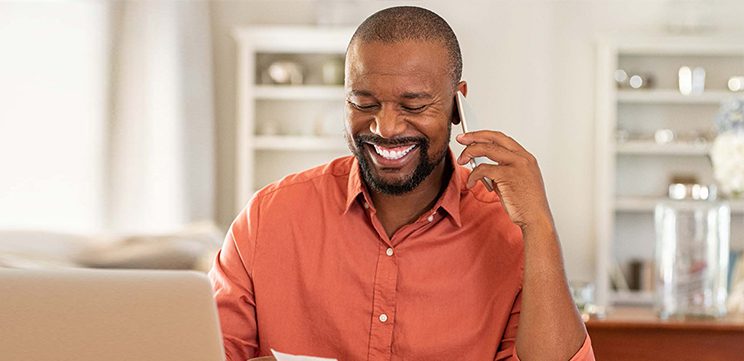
{"x": 307, "y": 268}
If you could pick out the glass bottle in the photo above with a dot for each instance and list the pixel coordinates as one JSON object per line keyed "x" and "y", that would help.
{"x": 692, "y": 253}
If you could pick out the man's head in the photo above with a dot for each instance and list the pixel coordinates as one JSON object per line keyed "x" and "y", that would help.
{"x": 410, "y": 23}
{"x": 403, "y": 67}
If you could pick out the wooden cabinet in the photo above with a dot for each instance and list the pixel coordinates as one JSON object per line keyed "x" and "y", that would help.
{"x": 638, "y": 335}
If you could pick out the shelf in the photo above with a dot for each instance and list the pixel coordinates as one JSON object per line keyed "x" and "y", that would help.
{"x": 647, "y": 204}
{"x": 632, "y": 298}
{"x": 670, "y": 96}
{"x": 652, "y": 148}
{"x": 299, "y": 92}
{"x": 637, "y": 204}
{"x": 300, "y": 143}
{"x": 631, "y": 175}
{"x": 294, "y": 39}
{"x": 644, "y": 44}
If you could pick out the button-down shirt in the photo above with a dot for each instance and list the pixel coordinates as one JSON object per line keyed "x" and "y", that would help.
{"x": 307, "y": 268}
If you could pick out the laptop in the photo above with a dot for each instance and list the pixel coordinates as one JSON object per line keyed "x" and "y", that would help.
{"x": 114, "y": 315}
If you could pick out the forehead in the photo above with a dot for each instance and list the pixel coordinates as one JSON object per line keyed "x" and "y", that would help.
{"x": 423, "y": 63}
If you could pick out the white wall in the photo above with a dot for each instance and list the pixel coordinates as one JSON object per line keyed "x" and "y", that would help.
{"x": 530, "y": 66}
{"x": 53, "y": 102}
{"x": 161, "y": 164}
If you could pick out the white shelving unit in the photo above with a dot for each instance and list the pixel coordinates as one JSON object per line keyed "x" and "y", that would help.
{"x": 632, "y": 175}
{"x": 294, "y": 112}
{"x": 289, "y": 92}
{"x": 299, "y": 143}
{"x": 652, "y": 148}
{"x": 647, "y": 204}
{"x": 666, "y": 96}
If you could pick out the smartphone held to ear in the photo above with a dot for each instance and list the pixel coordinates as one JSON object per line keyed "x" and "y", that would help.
{"x": 467, "y": 118}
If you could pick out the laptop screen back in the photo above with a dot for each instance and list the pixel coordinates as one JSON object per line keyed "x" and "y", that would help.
{"x": 86, "y": 315}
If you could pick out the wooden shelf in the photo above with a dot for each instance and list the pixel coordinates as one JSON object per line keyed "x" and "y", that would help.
{"x": 670, "y": 96}
{"x": 672, "y": 149}
{"x": 653, "y": 339}
{"x": 299, "y": 143}
{"x": 299, "y": 92}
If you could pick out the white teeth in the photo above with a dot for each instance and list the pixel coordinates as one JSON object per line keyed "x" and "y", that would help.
{"x": 393, "y": 155}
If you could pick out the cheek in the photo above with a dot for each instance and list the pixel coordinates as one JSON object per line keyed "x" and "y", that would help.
{"x": 438, "y": 140}
{"x": 355, "y": 123}
{"x": 351, "y": 125}
{"x": 436, "y": 129}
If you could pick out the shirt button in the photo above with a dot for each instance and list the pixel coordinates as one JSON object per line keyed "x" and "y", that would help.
{"x": 430, "y": 218}
{"x": 389, "y": 252}
{"x": 383, "y": 317}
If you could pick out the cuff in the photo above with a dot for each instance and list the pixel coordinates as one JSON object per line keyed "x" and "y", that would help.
{"x": 585, "y": 353}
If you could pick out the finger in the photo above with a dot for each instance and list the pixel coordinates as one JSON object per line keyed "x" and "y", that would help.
{"x": 491, "y": 151}
{"x": 490, "y": 171}
{"x": 490, "y": 136}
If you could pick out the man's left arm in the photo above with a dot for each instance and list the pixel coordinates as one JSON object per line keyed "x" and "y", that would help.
{"x": 550, "y": 327}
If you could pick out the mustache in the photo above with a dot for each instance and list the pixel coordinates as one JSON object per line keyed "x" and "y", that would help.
{"x": 387, "y": 142}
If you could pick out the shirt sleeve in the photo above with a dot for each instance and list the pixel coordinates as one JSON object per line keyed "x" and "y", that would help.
{"x": 231, "y": 277}
{"x": 507, "y": 350}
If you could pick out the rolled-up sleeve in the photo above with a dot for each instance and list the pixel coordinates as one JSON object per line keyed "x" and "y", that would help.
{"x": 231, "y": 277}
{"x": 585, "y": 353}
{"x": 508, "y": 348}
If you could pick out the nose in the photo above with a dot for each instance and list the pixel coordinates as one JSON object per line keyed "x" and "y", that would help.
{"x": 387, "y": 122}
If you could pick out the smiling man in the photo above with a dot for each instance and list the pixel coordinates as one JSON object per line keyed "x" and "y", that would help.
{"x": 398, "y": 252}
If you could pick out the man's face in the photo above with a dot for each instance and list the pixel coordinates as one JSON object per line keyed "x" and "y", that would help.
{"x": 399, "y": 99}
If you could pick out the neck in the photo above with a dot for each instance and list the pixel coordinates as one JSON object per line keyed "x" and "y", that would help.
{"x": 395, "y": 211}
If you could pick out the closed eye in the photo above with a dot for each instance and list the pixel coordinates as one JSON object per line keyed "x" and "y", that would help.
{"x": 414, "y": 109}
{"x": 362, "y": 107}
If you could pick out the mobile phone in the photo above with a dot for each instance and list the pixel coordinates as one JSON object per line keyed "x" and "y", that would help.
{"x": 467, "y": 117}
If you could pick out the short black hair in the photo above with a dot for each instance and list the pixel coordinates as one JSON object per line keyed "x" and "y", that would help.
{"x": 403, "y": 23}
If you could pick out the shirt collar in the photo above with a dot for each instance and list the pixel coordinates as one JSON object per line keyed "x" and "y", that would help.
{"x": 449, "y": 201}
{"x": 355, "y": 186}
{"x": 455, "y": 191}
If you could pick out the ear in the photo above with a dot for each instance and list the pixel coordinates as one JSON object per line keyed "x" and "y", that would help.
{"x": 463, "y": 88}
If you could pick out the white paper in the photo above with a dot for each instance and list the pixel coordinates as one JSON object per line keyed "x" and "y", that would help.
{"x": 287, "y": 357}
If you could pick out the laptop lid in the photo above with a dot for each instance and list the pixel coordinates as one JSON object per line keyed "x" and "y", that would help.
{"x": 114, "y": 315}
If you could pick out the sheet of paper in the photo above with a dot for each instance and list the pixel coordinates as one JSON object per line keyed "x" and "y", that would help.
{"x": 287, "y": 357}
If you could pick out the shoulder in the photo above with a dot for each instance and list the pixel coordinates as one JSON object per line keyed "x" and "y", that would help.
{"x": 323, "y": 180}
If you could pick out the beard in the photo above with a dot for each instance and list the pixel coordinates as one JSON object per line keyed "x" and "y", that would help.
{"x": 424, "y": 167}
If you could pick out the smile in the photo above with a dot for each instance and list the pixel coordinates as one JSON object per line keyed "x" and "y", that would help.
{"x": 393, "y": 153}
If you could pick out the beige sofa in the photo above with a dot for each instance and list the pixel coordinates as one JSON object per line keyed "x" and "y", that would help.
{"x": 193, "y": 247}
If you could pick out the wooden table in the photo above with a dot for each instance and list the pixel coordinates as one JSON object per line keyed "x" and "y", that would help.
{"x": 638, "y": 335}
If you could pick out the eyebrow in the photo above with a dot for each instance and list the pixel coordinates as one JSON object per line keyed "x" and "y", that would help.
{"x": 411, "y": 95}
{"x": 360, "y": 93}
{"x": 406, "y": 95}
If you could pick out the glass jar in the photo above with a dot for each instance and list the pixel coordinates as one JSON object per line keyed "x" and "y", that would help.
{"x": 692, "y": 253}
